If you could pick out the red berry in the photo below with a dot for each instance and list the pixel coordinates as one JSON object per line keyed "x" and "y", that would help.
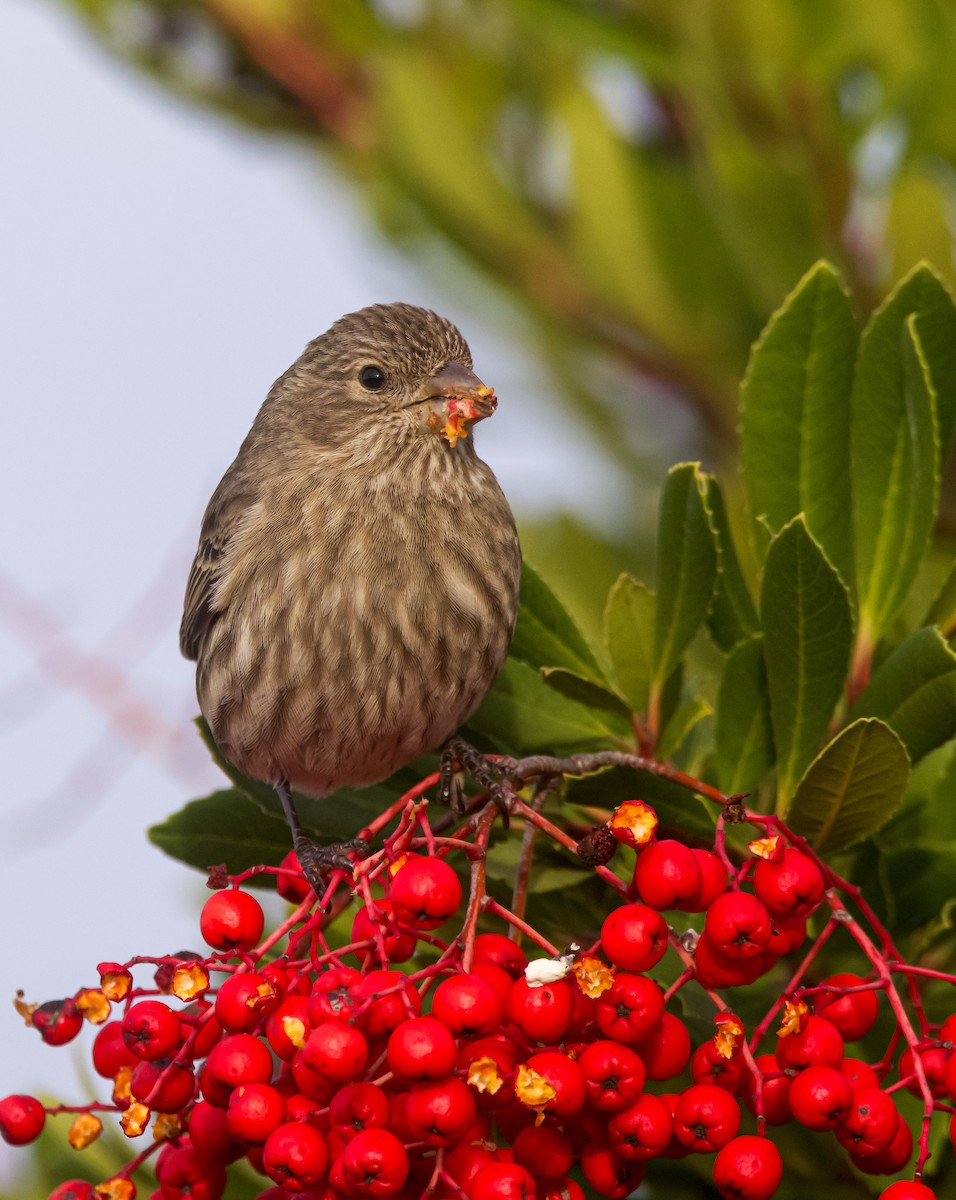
{"x": 738, "y": 924}
{"x": 164, "y": 1086}
{"x": 422, "y": 1048}
{"x": 231, "y": 920}
{"x": 502, "y": 1181}
{"x": 631, "y": 1008}
{"x": 337, "y": 1051}
{"x": 858, "y": 1073}
{"x": 366, "y": 928}
{"x": 708, "y": 1065}
{"x": 110, "y": 1052}
{"x": 608, "y": 1174}
{"x": 715, "y": 969}
{"x": 854, "y": 1014}
{"x": 57, "y": 1021}
{"x": 748, "y": 1168}
{"x": 382, "y": 1000}
{"x": 240, "y": 1058}
{"x": 642, "y": 1131}
{"x": 152, "y": 1030}
{"x": 559, "y": 1073}
{"x": 894, "y": 1158}
{"x": 330, "y": 998}
{"x": 907, "y": 1189}
{"x": 467, "y": 1004}
{"x": 244, "y": 1000}
{"x": 295, "y": 1155}
{"x": 614, "y": 1075}
{"x": 21, "y": 1119}
{"x": 374, "y": 1164}
{"x": 634, "y": 937}
{"x": 818, "y": 1044}
{"x": 667, "y": 874}
{"x": 792, "y": 886}
{"x": 182, "y": 1171}
{"x": 820, "y": 1097}
{"x": 356, "y": 1107}
{"x": 775, "y": 1093}
{"x": 706, "y": 1118}
{"x": 789, "y": 934}
{"x": 500, "y": 951}
{"x": 208, "y": 1132}
{"x": 713, "y": 882}
{"x": 293, "y": 887}
{"x": 871, "y": 1123}
{"x": 543, "y": 1013}
{"x": 425, "y": 893}
{"x": 255, "y": 1109}
{"x": 73, "y": 1189}
{"x": 440, "y": 1113}
{"x": 935, "y": 1060}
{"x": 543, "y": 1151}
{"x": 288, "y": 1026}
{"x": 666, "y": 1051}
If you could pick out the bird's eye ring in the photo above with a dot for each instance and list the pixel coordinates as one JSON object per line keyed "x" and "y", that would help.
{"x": 371, "y": 377}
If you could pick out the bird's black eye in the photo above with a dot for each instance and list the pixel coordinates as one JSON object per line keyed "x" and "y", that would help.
{"x": 371, "y": 377}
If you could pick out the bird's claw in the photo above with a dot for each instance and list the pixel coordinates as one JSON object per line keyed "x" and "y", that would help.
{"x": 496, "y": 777}
{"x": 316, "y": 861}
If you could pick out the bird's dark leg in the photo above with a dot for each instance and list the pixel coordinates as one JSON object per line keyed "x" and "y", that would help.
{"x": 457, "y": 756}
{"x": 316, "y": 860}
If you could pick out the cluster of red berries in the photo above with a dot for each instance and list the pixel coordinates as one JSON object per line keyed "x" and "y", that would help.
{"x": 473, "y": 1072}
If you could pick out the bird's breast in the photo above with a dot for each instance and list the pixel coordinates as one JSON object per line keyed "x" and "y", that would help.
{"x": 359, "y": 629}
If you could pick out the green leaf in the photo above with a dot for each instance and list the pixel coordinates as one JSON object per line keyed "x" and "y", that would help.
{"x": 744, "y": 735}
{"x": 807, "y": 633}
{"x": 942, "y": 611}
{"x": 592, "y": 695}
{"x": 732, "y": 616}
{"x": 795, "y": 436}
{"x": 895, "y": 452}
{"x": 225, "y": 827}
{"x": 546, "y": 634}
{"x": 684, "y": 719}
{"x": 851, "y": 788}
{"x": 628, "y": 638}
{"x": 522, "y": 715}
{"x": 686, "y": 567}
{"x": 914, "y": 692}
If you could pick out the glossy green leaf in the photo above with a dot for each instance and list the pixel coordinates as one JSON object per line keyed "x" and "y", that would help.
{"x": 592, "y": 695}
{"x": 895, "y": 451}
{"x": 629, "y": 637}
{"x": 942, "y": 611}
{"x": 225, "y": 827}
{"x": 807, "y": 635}
{"x": 914, "y": 692}
{"x": 744, "y": 734}
{"x": 685, "y": 718}
{"x": 732, "y": 615}
{"x": 546, "y": 634}
{"x": 795, "y": 436}
{"x": 851, "y": 788}
{"x": 686, "y": 567}
{"x": 522, "y": 715}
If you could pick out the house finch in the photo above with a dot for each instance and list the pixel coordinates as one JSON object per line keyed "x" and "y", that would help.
{"x": 356, "y": 584}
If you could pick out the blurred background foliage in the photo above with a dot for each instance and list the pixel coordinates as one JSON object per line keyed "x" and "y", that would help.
{"x": 646, "y": 181}
{"x": 649, "y": 180}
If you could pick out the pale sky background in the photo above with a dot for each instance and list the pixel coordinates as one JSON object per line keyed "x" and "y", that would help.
{"x": 159, "y": 267}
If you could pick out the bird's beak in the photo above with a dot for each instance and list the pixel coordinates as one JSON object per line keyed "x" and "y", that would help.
{"x": 454, "y": 399}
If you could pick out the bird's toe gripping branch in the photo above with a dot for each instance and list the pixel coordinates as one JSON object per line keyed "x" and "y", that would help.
{"x": 493, "y": 776}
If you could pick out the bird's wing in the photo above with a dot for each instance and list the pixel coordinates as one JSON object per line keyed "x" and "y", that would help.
{"x": 225, "y": 511}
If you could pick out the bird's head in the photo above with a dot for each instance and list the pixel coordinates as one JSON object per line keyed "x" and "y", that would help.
{"x": 394, "y": 368}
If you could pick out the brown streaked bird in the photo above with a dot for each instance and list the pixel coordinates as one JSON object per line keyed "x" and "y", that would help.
{"x": 356, "y": 584}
